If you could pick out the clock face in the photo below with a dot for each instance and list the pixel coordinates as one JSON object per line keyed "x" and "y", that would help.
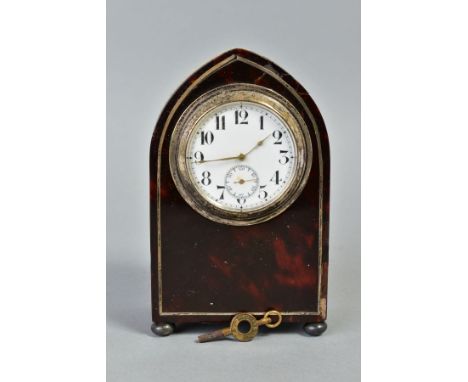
{"x": 241, "y": 156}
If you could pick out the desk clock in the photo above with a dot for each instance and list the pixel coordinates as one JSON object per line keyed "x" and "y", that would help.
{"x": 239, "y": 198}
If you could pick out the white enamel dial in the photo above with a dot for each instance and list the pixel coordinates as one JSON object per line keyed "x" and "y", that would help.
{"x": 241, "y": 156}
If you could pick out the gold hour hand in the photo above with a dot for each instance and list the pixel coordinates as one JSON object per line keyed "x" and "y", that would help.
{"x": 259, "y": 143}
{"x": 241, "y": 156}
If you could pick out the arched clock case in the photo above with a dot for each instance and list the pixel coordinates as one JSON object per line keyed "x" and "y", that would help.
{"x": 239, "y": 198}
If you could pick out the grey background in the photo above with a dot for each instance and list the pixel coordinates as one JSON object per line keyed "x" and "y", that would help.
{"x": 152, "y": 47}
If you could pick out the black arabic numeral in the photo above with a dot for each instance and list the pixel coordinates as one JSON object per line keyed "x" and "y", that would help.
{"x": 262, "y": 194}
{"x": 277, "y": 135}
{"x": 241, "y": 117}
{"x": 207, "y": 137}
{"x": 220, "y": 123}
{"x": 199, "y": 156}
{"x": 275, "y": 178}
{"x": 241, "y": 201}
{"x": 206, "y": 181}
{"x": 284, "y": 159}
{"x": 221, "y": 197}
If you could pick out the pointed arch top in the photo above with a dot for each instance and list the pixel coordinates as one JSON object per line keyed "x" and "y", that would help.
{"x": 241, "y": 65}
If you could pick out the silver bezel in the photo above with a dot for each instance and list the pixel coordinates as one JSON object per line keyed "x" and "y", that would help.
{"x": 221, "y": 96}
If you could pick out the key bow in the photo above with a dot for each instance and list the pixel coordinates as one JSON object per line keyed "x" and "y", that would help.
{"x": 240, "y": 335}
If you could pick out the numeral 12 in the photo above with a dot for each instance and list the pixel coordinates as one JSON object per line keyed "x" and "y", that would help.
{"x": 241, "y": 117}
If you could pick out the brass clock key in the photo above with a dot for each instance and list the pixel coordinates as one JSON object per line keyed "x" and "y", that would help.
{"x": 237, "y": 333}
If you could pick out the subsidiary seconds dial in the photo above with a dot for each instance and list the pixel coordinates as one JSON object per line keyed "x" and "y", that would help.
{"x": 241, "y": 156}
{"x": 241, "y": 182}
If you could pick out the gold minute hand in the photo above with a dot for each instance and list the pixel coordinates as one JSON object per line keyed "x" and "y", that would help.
{"x": 240, "y": 156}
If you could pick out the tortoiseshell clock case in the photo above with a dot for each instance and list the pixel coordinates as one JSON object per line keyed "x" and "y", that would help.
{"x": 203, "y": 271}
